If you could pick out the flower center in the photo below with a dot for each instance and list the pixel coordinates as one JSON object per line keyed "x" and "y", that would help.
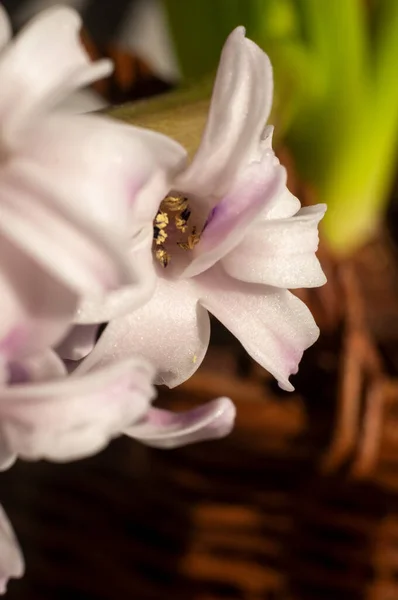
{"x": 173, "y": 229}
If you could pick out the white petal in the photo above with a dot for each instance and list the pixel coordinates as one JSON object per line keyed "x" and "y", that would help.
{"x": 171, "y": 331}
{"x": 77, "y": 416}
{"x": 44, "y": 64}
{"x": 36, "y": 309}
{"x": 65, "y": 241}
{"x": 7, "y": 456}
{"x": 146, "y": 33}
{"x": 11, "y": 560}
{"x": 283, "y": 206}
{"x": 240, "y": 106}
{"x": 231, "y": 219}
{"x": 267, "y": 137}
{"x": 128, "y": 298}
{"x": 280, "y": 252}
{"x": 103, "y": 166}
{"x": 39, "y": 367}
{"x": 170, "y": 158}
{"x": 78, "y": 343}
{"x": 164, "y": 429}
{"x": 273, "y": 326}
{"x": 5, "y": 28}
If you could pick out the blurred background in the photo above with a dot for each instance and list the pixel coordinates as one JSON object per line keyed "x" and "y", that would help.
{"x": 301, "y": 501}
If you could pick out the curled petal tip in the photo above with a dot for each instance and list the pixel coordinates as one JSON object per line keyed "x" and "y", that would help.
{"x": 239, "y": 31}
{"x": 286, "y": 386}
{"x": 164, "y": 429}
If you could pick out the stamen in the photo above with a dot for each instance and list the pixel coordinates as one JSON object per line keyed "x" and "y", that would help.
{"x": 193, "y": 239}
{"x": 182, "y": 218}
{"x": 163, "y": 257}
{"x": 177, "y": 202}
{"x": 162, "y": 228}
{"x": 161, "y": 219}
{"x": 159, "y": 229}
{"x": 161, "y": 237}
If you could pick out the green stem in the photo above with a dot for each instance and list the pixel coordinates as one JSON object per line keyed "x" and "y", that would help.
{"x": 357, "y": 191}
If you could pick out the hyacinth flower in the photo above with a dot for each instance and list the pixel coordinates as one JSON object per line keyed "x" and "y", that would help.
{"x": 142, "y": 238}
{"x": 228, "y": 238}
{"x": 63, "y": 233}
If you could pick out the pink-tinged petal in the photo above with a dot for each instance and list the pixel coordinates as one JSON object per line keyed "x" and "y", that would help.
{"x": 77, "y": 416}
{"x": 36, "y": 310}
{"x": 240, "y": 106}
{"x": 128, "y": 298}
{"x": 272, "y": 325}
{"x": 104, "y": 167}
{"x": 41, "y": 66}
{"x": 171, "y": 331}
{"x": 67, "y": 243}
{"x": 231, "y": 219}
{"x": 78, "y": 343}
{"x": 165, "y": 429}
{"x": 5, "y": 28}
{"x": 11, "y": 560}
{"x": 280, "y": 252}
{"x": 42, "y": 366}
